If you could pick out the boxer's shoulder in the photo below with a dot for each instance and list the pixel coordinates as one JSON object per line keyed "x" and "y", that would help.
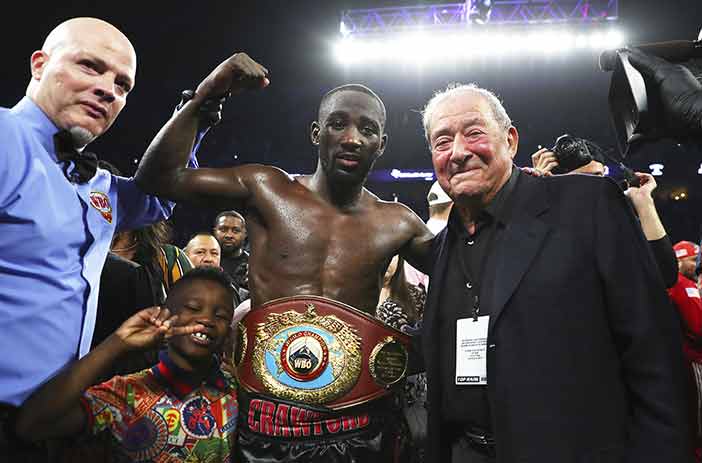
{"x": 396, "y": 212}
{"x": 264, "y": 179}
{"x": 263, "y": 172}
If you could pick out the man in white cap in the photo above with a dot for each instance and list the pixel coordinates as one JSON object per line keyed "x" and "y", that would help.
{"x": 439, "y": 208}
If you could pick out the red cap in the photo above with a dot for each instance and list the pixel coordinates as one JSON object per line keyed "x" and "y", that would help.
{"x": 686, "y": 249}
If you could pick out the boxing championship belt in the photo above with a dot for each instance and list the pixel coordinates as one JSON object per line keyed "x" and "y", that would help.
{"x": 319, "y": 352}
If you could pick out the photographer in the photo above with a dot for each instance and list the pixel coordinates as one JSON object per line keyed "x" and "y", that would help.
{"x": 641, "y": 198}
{"x": 572, "y": 155}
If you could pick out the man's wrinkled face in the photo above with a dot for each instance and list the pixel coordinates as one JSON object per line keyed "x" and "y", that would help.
{"x": 85, "y": 82}
{"x": 203, "y": 251}
{"x": 471, "y": 153}
{"x": 686, "y": 266}
{"x": 230, "y": 232}
{"x": 350, "y": 135}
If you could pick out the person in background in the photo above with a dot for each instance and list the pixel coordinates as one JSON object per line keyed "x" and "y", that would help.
{"x": 203, "y": 250}
{"x": 586, "y": 157}
{"x": 401, "y": 303}
{"x": 439, "y": 208}
{"x": 581, "y": 156}
{"x": 402, "y": 306}
{"x": 230, "y": 230}
{"x": 150, "y": 247}
{"x": 685, "y": 297}
{"x": 641, "y": 199}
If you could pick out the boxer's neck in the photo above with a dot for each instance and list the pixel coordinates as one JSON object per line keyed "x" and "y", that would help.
{"x": 341, "y": 194}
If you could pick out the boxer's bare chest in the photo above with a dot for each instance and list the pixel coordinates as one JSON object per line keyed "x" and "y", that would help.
{"x": 306, "y": 246}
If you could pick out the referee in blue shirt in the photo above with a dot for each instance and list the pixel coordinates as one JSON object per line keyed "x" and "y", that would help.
{"x": 58, "y": 212}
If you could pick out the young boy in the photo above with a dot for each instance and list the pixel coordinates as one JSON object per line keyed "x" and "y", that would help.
{"x": 183, "y": 408}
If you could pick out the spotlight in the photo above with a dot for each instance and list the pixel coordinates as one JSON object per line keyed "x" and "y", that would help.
{"x": 421, "y": 48}
{"x": 480, "y": 11}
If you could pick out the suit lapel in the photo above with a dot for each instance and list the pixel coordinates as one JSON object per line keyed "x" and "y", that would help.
{"x": 520, "y": 242}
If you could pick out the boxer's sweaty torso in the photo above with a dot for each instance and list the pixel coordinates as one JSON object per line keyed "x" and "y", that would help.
{"x": 302, "y": 244}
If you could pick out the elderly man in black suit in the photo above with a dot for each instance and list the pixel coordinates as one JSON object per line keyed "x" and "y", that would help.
{"x": 547, "y": 333}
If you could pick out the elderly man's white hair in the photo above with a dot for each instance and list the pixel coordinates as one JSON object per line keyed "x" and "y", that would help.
{"x": 454, "y": 89}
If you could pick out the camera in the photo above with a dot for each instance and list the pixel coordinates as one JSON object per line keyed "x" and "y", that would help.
{"x": 635, "y": 111}
{"x": 572, "y": 153}
{"x": 636, "y": 108}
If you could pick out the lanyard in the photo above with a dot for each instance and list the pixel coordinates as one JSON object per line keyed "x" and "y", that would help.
{"x": 472, "y": 284}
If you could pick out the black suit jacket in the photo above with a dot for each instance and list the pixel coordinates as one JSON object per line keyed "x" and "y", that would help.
{"x": 584, "y": 359}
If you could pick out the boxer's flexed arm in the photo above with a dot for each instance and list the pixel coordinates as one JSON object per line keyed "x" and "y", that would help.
{"x": 163, "y": 171}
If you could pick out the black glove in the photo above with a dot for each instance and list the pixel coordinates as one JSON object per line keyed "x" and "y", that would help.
{"x": 681, "y": 93}
{"x": 210, "y": 110}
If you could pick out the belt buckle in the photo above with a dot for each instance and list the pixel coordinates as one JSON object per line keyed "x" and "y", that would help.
{"x": 319, "y": 352}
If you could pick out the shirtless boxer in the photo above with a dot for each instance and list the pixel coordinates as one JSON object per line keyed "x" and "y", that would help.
{"x": 321, "y": 235}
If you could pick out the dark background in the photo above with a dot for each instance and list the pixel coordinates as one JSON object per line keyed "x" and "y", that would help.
{"x": 178, "y": 43}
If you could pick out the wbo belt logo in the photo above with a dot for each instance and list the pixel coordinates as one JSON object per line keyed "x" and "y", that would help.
{"x": 305, "y": 357}
{"x": 101, "y": 202}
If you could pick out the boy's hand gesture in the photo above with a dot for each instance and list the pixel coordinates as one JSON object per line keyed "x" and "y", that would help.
{"x": 148, "y": 327}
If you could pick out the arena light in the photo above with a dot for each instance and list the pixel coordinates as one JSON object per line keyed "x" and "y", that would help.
{"x": 656, "y": 169}
{"x": 412, "y": 174}
{"x": 401, "y": 175}
{"x": 420, "y": 48}
{"x": 679, "y": 194}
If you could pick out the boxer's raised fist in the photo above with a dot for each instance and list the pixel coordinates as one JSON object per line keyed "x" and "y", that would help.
{"x": 238, "y": 72}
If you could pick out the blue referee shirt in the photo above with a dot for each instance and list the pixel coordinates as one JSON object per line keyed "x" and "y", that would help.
{"x": 54, "y": 238}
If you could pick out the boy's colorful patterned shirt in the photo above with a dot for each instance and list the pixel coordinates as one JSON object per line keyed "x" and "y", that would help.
{"x": 156, "y": 415}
